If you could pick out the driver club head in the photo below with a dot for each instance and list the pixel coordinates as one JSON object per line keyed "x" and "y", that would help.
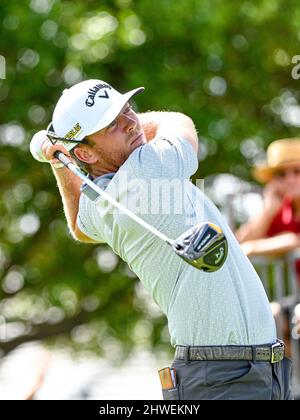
{"x": 204, "y": 246}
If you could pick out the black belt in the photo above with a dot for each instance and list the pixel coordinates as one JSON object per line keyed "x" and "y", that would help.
{"x": 264, "y": 353}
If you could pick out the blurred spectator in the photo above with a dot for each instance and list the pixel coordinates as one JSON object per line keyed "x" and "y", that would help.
{"x": 276, "y": 230}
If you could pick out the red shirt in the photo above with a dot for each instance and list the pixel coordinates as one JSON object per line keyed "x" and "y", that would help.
{"x": 284, "y": 221}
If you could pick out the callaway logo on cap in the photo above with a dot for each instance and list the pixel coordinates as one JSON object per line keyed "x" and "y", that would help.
{"x": 84, "y": 109}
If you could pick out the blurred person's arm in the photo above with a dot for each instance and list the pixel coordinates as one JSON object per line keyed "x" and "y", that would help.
{"x": 257, "y": 227}
{"x": 273, "y": 246}
{"x": 40, "y": 378}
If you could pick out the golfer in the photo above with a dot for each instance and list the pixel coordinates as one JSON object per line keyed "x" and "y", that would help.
{"x": 221, "y": 322}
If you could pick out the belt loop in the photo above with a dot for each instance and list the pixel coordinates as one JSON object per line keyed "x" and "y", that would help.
{"x": 253, "y": 354}
{"x": 187, "y": 355}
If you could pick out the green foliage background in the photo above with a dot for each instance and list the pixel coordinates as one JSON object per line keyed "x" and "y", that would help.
{"x": 228, "y": 65}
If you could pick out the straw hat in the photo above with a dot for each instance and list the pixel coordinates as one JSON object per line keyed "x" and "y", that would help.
{"x": 280, "y": 153}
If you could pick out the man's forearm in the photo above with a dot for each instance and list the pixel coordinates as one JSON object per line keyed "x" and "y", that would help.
{"x": 181, "y": 125}
{"x": 150, "y": 123}
{"x": 154, "y": 121}
{"x": 69, "y": 188}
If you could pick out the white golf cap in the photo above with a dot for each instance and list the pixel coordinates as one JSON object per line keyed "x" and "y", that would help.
{"x": 86, "y": 108}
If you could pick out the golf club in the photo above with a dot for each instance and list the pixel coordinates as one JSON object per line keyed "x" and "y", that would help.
{"x": 203, "y": 246}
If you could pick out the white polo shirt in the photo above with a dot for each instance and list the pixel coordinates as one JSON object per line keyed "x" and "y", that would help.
{"x": 227, "y": 307}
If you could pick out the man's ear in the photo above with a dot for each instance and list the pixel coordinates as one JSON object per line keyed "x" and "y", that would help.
{"x": 85, "y": 154}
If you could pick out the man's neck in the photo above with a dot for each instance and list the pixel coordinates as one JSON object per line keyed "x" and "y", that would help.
{"x": 96, "y": 172}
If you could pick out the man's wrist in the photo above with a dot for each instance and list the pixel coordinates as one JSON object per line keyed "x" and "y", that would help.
{"x": 57, "y": 165}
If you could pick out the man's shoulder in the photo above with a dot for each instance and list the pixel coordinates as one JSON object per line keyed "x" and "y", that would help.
{"x": 162, "y": 143}
{"x": 166, "y": 154}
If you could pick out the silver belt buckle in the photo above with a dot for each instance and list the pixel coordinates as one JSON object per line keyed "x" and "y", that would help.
{"x": 277, "y": 358}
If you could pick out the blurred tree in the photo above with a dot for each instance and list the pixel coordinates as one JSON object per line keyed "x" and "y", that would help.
{"x": 226, "y": 64}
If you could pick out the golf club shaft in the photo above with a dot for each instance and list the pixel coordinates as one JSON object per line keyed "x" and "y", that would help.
{"x": 73, "y": 168}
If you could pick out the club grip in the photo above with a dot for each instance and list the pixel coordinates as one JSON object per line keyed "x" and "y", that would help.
{"x": 62, "y": 158}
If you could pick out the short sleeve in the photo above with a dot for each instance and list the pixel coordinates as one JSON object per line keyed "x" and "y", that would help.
{"x": 166, "y": 156}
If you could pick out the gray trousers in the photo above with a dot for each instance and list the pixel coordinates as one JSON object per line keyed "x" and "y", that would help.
{"x": 231, "y": 380}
